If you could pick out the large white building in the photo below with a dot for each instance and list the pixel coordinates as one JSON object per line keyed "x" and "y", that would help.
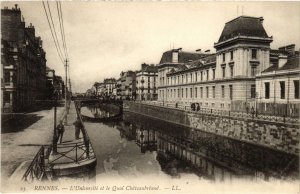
{"x": 229, "y": 78}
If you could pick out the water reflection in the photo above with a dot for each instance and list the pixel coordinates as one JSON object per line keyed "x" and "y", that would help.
{"x": 180, "y": 150}
{"x": 103, "y": 110}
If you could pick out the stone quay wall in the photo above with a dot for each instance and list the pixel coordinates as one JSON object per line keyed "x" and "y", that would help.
{"x": 274, "y": 135}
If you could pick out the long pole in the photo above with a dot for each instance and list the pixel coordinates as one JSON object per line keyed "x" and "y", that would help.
{"x": 54, "y": 143}
{"x": 66, "y": 87}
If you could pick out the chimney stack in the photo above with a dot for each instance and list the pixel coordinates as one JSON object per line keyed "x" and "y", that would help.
{"x": 289, "y": 48}
{"x": 282, "y": 59}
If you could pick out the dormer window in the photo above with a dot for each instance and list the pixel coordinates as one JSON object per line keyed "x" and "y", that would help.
{"x": 254, "y": 54}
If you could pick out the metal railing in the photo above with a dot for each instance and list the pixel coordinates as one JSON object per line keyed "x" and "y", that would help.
{"x": 218, "y": 112}
{"x": 36, "y": 169}
{"x": 83, "y": 151}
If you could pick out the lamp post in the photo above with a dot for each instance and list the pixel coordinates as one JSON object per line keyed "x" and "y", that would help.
{"x": 66, "y": 92}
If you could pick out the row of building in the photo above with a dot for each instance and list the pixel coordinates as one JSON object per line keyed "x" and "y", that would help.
{"x": 25, "y": 78}
{"x": 133, "y": 85}
{"x": 244, "y": 73}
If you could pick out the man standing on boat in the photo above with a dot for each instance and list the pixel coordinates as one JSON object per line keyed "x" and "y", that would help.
{"x": 60, "y": 131}
{"x": 78, "y": 127}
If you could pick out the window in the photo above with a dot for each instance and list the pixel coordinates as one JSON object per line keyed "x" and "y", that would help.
{"x": 182, "y": 93}
{"x": 231, "y": 70}
{"x": 223, "y": 71}
{"x": 191, "y": 92}
{"x": 223, "y": 92}
{"x": 6, "y": 77}
{"x": 148, "y": 79}
{"x": 230, "y": 92}
{"x": 201, "y": 92}
{"x": 207, "y": 74}
{"x": 186, "y": 92}
{"x": 214, "y": 91}
{"x": 267, "y": 90}
{"x": 231, "y": 55}
{"x": 223, "y": 56}
{"x": 201, "y": 74}
{"x": 168, "y": 81}
{"x": 191, "y": 78}
{"x": 254, "y": 53}
{"x": 178, "y": 79}
{"x": 282, "y": 89}
{"x": 178, "y": 95}
{"x": 253, "y": 70}
{"x": 214, "y": 73}
{"x": 196, "y": 77}
{"x": 6, "y": 97}
{"x": 253, "y": 90}
{"x": 207, "y": 92}
{"x": 196, "y": 92}
{"x": 186, "y": 78}
{"x": 296, "y": 89}
{"x": 182, "y": 79}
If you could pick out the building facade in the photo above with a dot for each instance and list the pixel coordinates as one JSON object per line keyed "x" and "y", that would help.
{"x": 146, "y": 88}
{"x": 278, "y": 86}
{"x": 232, "y": 78}
{"x": 23, "y": 63}
{"x": 128, "y": 85}
{"x": 109, "y": 85}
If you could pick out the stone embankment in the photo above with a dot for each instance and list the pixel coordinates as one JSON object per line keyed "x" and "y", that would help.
{"x": 267, "y": 133}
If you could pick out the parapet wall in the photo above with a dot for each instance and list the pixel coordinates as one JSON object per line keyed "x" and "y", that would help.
{"x": 279, "y": 136}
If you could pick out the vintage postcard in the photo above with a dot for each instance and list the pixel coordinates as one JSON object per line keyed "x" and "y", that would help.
{"x": 150, "y": 97}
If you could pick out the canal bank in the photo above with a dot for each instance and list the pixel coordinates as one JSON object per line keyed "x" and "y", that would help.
{"x": 22, "y": 138}
{"x": 276, "y": 135}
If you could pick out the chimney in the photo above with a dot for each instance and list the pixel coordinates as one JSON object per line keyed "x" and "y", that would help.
{"x": 289, "y": 48}
{"x": 198, "y": 50}
{"x": 144, "y": 65}
{"x": 282, "y": 59}
{"x": 261, "y": 19}
{"x": 16, "y": 6}
{"x": 207, "y": 51}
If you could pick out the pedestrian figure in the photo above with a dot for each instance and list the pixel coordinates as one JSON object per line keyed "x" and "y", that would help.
{"x": 60, "y": 131}
{"x": 78, "y": 127}
{"x": 198, "y": 107}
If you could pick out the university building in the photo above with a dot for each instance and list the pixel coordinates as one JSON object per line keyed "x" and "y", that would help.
{"x": 146, "y": 82}
{"x": 232, "y": 78}
{"x": 23, "y": 63}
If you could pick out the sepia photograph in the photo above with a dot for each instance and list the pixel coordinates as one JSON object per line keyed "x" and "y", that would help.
{"x": 150, "y": 96}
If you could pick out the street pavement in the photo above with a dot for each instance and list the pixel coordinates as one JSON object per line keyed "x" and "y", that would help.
{"x": 21, "y": 143}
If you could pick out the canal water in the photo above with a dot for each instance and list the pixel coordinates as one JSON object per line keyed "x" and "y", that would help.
{"x": 139, "y": 146}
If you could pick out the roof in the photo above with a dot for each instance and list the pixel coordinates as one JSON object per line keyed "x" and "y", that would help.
{"x": 204, "y": 61}
{"x": 292, "y": 63}
{"x": 183, "y": 56}
{"x": 49, "y": 69}
{"x": 244, "y": 26}
{"x": 151, "y": 69}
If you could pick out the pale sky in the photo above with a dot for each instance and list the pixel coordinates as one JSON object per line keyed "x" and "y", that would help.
{"x": 105, "y": 38}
